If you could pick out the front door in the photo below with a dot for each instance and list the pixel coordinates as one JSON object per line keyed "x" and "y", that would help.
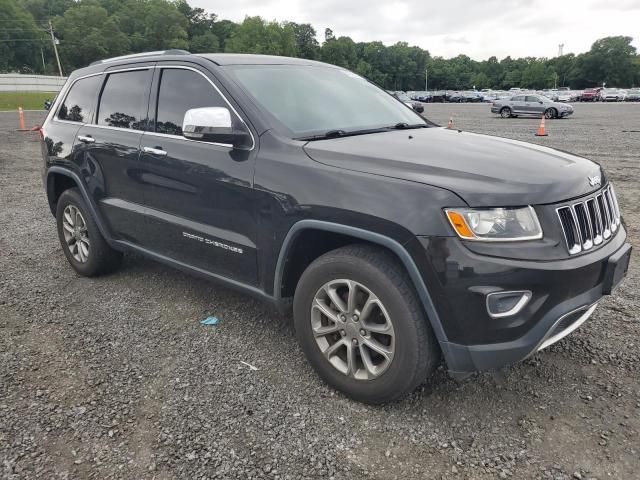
{"x": 534, "y": 105}
{"x": 198, "y": 196}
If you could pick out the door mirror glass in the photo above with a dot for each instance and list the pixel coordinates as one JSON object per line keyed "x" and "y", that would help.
{"x": 216, "y": 125}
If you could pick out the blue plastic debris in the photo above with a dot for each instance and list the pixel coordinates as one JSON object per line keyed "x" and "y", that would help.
{"x": 210, "y": 321}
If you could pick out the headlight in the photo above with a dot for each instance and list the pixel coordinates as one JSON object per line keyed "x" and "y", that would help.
{"x": 495, "y": 224}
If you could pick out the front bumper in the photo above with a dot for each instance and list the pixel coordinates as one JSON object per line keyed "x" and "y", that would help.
{"x": 564, "y": 294}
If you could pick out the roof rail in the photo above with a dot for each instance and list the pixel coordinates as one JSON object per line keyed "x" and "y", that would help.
{"x": 143, "y": 54}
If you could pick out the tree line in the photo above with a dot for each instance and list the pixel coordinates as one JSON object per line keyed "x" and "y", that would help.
{"x": 89, "y": 30}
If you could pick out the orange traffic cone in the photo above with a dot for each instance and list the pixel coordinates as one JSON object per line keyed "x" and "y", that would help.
{"x": 541, "y": 131}
{"x": 22, "y": 128}
{"x": 450, "y": 124}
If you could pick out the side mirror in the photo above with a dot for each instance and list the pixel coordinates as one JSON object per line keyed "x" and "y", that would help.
{"x": 540, "y": 102}
{"x": 418, "y": 108}
{"x": 215, "y": 125}
{"x": 47, "y": 104}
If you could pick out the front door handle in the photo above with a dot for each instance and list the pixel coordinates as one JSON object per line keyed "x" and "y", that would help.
{"x": 86, "y": 139}
{"x": 154, "y": 151}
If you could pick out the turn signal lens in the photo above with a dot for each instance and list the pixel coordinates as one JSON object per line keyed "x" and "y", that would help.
{"x": 460, "y": 224}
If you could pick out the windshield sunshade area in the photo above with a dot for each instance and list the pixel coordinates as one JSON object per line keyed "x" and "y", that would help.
{"x": 311, "y": 100}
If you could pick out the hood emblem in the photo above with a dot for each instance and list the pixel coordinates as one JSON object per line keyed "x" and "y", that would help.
{"x": 595, "y": 180}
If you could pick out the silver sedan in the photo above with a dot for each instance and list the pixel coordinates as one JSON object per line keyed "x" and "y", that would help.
{"x": 531, "y": 104}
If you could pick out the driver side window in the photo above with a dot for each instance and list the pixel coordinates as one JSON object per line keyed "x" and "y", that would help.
{"x": 181, "y": 90}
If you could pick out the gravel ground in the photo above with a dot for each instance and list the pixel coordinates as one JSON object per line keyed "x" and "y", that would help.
{"x": 116, "y": 378}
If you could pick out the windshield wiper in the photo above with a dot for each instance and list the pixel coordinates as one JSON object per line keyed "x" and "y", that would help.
{"x": 406, "y": 126}
{"x": 343, "y": 133}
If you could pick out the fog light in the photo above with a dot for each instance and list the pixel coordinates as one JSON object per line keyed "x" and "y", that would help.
{"x": 505, "y": 304}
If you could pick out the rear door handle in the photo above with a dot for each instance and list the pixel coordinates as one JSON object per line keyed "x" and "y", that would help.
{"x": 86, "y": 139}
{"x": 154, "y": 151}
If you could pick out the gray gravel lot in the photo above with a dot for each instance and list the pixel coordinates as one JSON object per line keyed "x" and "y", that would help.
{"x": 116, "y": 378}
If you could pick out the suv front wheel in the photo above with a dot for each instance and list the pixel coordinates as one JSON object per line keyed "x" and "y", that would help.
{"x": 84, "y": 246}
{"x": 361, "y": 325}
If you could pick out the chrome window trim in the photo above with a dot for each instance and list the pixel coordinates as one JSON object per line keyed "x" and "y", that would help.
{"x": 179, "y": 137}
{"x": 152, "y": 67}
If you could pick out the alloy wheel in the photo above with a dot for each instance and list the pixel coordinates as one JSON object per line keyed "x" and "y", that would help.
{"x": 353, "y": 329}
{"x": 75, "y": 233}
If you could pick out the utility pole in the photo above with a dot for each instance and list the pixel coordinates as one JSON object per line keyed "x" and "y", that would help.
{"x": 426, "y": 79}
{"x": 55, "y": 48}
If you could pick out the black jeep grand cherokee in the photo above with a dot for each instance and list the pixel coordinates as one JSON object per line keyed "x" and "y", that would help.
{"x": 302, "y": 183}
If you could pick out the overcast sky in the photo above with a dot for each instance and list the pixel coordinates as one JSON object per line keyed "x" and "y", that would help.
{"x": 478, "y": 28}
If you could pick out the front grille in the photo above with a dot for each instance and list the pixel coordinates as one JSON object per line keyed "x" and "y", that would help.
{"x": 590, "y": 222}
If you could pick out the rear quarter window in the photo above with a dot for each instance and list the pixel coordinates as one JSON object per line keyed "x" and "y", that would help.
{"x": 78, "y": 104}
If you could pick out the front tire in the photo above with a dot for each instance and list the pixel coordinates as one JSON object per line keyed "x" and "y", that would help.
{"x": 505, "y": 112}
{"x": 84, "y": 246}
{"x": 550, "y": 113}
{"x": 360, "y": 324}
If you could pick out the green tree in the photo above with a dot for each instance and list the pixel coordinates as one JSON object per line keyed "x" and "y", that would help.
{"x": 306, "y": 44}
{"x": 19, "y": 45}
{"x": 255, "y": 35}
{"x": 340, "y": 51}
{"x": 88, "y": 33}
{"x": 610, "y": 60}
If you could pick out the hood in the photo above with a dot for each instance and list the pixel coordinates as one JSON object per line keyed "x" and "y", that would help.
{"x": 483, "y": 170}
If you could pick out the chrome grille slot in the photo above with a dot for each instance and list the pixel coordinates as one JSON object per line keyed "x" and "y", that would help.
{"x": 591, "y": 221}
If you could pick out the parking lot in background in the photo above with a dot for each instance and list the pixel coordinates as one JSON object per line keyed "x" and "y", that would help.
{"x": 115, "y": 377}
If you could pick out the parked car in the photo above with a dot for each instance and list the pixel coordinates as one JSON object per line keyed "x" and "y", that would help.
{"x": 612, "y": 95}
{"x": 633, "y": 95}
{"x": 393, "y": 242}
{"x": 531, "y": 105}
{"x": 590, "y": 95}
{"x": 564, "y": 96}
{"x": 404, "y": 98}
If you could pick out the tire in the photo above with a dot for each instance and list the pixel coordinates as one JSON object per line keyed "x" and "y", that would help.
{"x": 414, "y": 351}
{"x": 505, "y": 112}
{"x": 84, "y": 246}
{"x": 550, "y": 113}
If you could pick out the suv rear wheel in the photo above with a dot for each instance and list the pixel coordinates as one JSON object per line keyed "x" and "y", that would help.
{"x": 84, "y": 246}
{"x": 361, "y": 325}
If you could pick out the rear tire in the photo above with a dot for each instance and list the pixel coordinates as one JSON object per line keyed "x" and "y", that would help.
{"x": 505, "y": 112}
{"x": 343, "y": 339}
{"x": 84, "y": 246}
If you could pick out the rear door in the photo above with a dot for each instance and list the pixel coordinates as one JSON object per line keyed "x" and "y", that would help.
{"x": 112, "y": 146}
{"x": 199, "y": 196}
{"x": 517, "y": 104}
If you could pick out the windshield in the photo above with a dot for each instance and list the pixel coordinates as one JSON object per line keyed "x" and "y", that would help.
{"x": 312, "y": 100}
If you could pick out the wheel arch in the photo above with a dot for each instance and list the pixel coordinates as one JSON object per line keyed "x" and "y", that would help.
{"x": 348, "y": 234}
{"x": 60, "y": 179}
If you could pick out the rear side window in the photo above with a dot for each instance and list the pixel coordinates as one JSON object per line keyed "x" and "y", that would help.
{"x": 181, "y": 90}
{"x": 124, "y": 100}
{"x": 79, "y": 101}
{"x": 518, "y": 99}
